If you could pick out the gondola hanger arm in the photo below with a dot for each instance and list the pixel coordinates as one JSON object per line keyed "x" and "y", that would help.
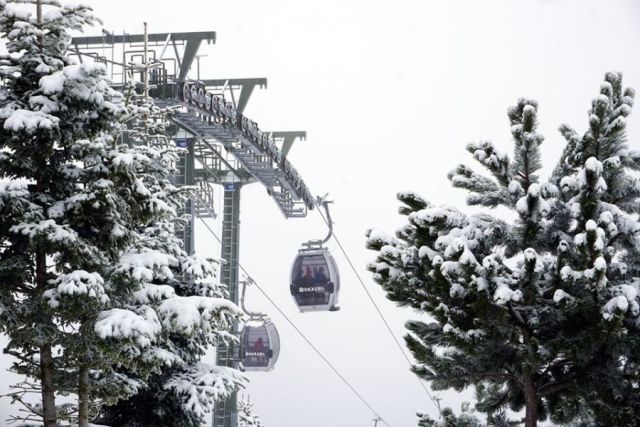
{"x": 252, "y": 315}
{"x": 322, "y": 203}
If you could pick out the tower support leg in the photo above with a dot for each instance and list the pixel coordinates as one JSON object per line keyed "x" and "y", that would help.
{"x": 185, "y": 176}
{"x": 226, "y": 412}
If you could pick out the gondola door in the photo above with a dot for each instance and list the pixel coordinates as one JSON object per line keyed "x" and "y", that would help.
{"x": 260, "y": 346}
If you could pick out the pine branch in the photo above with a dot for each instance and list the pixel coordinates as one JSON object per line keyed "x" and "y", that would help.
{"x": 551, "y": 388}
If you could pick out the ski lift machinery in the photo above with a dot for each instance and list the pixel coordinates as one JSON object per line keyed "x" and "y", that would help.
{"x": 315, "y": 280}
{"x": 259, "y": 340}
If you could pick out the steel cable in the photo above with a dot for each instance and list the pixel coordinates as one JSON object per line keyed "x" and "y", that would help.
{"x": 304, "y": 337}
{"x": 384, "y": 320}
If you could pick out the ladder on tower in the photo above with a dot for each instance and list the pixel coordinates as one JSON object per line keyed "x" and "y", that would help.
{"x": 205, "y": 200}
{"x": 202, "y": 204}
{"x": 228, "y": 354}
{"x": 180, "y": 179}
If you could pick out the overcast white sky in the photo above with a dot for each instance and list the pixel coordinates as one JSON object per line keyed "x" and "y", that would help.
{"x": 389, "y": 92}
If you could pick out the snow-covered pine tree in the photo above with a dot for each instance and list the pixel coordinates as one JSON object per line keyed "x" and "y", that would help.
{"x": 449, "y": 419}
{"x": 540, "y": 313}
{"x": 151, "y": 406}
{"x": 183, "y": 290}
{"x": 58, "y": 210}
{"x": 246, "y": 417}
{"x": 86, "y": 274}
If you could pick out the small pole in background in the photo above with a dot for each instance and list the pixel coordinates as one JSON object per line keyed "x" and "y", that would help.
{"x": 146, "y": 64}
{"x": 376, "y": 420}
{"x": 146, "y": 83}
{"x": 198, "y": 61}
{"x": 198, "y": 65}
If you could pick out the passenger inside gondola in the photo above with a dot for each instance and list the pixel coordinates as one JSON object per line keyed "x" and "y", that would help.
{"x": 256, "y": 353}
{"x": 319, "y": 276}
{"x": 307, "y": 278}
{"x": 310, "y": 285}
{"x": 259, "y": 349}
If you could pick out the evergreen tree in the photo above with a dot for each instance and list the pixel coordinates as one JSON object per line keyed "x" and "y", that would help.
{"x": 540, "y": 313}
{"x": 181, "y": 390}
{"x": 89, "y": 263}
{"x": 151, "y": 406}
{"x": 54, "y": 117}
{"x": 246, "y": 417}
{"x": 467, "y": 418}
{"x": 449, "y": 419}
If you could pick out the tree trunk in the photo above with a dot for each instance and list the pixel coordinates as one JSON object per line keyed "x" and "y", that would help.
{"x": 83, "y": 397}
{"x": 46, "y": 358}
{"x": 48, "y": 391}
{"x": 49, "y": 416}
{"x": 530, "y": 399}
{"x": 529, "y": 388}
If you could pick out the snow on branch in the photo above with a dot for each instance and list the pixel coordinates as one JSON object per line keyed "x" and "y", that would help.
{"x": 147, "y": 265}
{"x": 77, "y": 283}
{"x": 122, "y": 324}
{"x": 201, "y": 385}
{"x": 28, "y": 121}
{"x": 192, "y": 314}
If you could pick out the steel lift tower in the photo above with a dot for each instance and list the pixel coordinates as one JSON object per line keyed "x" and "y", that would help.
{"x": 223, "y": 147}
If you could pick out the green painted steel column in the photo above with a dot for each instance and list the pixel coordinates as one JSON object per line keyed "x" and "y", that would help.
{"x": 226, "y": 411}
{"x": 190, "y": 232}
{"x": 185, "y": 176}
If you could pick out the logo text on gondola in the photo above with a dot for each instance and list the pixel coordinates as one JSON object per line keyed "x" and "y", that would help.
{"x": 314, "y": 289}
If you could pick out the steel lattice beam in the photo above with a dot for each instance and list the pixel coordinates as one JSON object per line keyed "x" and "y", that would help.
{"x": 209, "y": 36}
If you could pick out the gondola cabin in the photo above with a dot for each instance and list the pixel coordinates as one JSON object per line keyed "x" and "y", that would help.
{"x": 260, "y": 346}
{"x": 315, "y": 282}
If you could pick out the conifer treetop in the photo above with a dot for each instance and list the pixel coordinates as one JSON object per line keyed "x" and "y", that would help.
{"x": 526, "y": 310}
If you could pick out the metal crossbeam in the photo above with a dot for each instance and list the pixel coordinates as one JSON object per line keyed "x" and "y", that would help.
{"x": 160, "y": 47}
{"x": 209, "y": 36}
